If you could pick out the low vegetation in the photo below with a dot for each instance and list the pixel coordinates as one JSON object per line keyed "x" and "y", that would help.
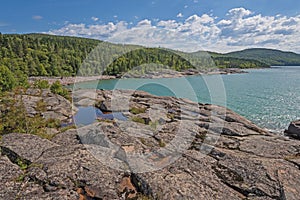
{"x": 41, "y": 84}
{"x": 138, "y": 119}
{"x": 136, "y": 111}
{"x": 15, "y": 119}
{"x": 57, "y": 88}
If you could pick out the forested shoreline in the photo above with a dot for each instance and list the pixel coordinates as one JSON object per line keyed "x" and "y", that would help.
{"x": 28, "y": 55}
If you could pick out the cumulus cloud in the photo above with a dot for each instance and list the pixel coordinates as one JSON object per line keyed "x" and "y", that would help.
{"x": 239, "y": 12}
{"x": 239, "y": 29}
{"x": 94, "y": 31}
{"x": 145, "y": 22}
{"x": 169, "y": 24}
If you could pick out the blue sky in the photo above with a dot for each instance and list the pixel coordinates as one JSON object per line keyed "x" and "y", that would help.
{"x": 219, "y": 25}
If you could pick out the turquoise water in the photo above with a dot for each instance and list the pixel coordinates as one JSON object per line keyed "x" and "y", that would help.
{"x": 268, "y": 97}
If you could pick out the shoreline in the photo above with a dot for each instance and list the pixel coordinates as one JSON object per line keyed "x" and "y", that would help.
{"x": 69, "y": 80}
{"x": 149, "y": 75}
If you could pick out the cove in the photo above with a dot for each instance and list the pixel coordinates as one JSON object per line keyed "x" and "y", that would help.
{"x": 269, "y": 97}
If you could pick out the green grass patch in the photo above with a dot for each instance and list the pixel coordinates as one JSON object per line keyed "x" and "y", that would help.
{"x": 138, "y": 120}
{"x": 53, "y": 123}
{"x": 136, "y": 110}
{"x": 22, "y": 164}
{"x": 64, "y": 129}
{"x": 161, "y": 143}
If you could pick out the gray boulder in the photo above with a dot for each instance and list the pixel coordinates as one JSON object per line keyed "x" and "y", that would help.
{"x": 293, "y": 130}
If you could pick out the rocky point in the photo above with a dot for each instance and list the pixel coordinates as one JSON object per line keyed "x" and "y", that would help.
{"x": 168, "y": 148}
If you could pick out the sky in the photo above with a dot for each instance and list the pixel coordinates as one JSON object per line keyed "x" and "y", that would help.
{"x": 187, "y": 25}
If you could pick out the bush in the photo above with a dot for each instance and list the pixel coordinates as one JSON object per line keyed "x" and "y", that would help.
{"x": 14, "y": 118}
{"x": 7, "y": 79}
{"x": 57, "y": 88}
{"x": 41, "y": 84}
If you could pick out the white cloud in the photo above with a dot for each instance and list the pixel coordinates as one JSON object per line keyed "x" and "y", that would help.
{"x": 180, "y": 15}
{"x": 95, "y": 18}
{"x": 239, "y": 29}
{"x": 37, "y": 17}
{"x": 239, "y": 12}
{"x": 145, "y": 22}
{"x": 94, "y": 31}
{"x": 169, "y": 24}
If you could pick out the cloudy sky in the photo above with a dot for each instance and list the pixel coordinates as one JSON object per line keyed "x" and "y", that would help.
{"x": 189, "y": 25}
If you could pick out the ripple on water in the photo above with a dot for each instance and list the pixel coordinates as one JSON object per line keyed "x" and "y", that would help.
{"x": 268, "y": 97}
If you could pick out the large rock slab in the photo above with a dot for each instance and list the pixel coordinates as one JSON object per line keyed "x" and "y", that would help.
{"x": 168, "y": 148}
{"x": 54, "y": 106}
{"x": 29, "y": 147}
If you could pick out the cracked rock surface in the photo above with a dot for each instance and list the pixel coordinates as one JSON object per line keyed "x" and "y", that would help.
{"x": 168, "y": 148}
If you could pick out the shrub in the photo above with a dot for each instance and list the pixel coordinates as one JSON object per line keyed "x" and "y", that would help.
{"x": 7, "y": 79}
{"x": 57, "y": 88}
{"x": 41, "y": 84}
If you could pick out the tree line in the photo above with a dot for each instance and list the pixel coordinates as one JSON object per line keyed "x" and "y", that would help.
{"x": 23, "y": 55}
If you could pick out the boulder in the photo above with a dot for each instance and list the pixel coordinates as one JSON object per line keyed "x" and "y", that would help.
{"x": 293, "y": 130}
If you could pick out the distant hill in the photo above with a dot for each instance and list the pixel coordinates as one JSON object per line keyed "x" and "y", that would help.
{"x": 49, "y": 55}
{"x": 268, "y": 56}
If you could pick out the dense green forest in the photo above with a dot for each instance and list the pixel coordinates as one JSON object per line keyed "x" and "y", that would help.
{"x": 23, "y": 55}
{"x": 44, "y": 55}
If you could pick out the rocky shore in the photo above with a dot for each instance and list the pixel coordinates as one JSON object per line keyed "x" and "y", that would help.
{"x": 168, "y": 148}
{"x": 154, "y": 74}
{"x": 70, "y": 80}
{"x": 165, "y": 73}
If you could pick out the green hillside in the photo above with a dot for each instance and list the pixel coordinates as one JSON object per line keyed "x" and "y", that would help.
{"x": 269, "y": 56}
{"x": 23, "y": 55}
{"x": 44, "y": 55}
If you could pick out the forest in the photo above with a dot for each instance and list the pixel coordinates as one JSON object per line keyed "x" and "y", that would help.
{"x": 24, "y": 55}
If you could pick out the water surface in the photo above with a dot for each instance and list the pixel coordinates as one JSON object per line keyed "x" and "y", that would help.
{"x": 268, "y": 97}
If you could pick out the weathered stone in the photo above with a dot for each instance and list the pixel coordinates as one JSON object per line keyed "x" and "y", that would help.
{"x": 293, "y": 130}
{"x": 9, "y": 177}
{"x": 185, "y": 151}
{"x": 29, "y": 147}
{"x": 54, "y": 106}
